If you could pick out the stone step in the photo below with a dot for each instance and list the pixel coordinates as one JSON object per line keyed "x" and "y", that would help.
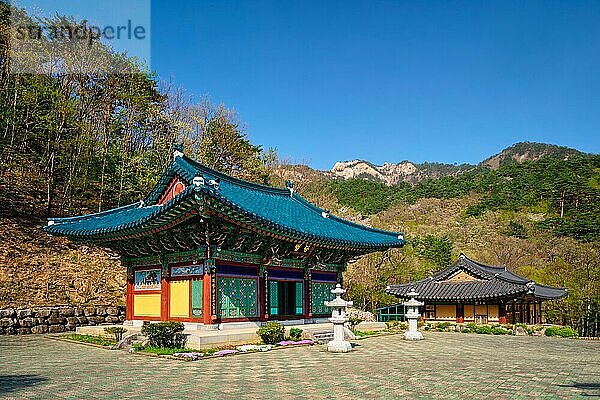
{"x": 323, "y": 336}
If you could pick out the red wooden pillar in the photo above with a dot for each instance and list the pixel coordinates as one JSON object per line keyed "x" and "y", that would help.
{"x": 207, "y": 299}
{"x": 263, "y": 295}
{"x": 129, "y": 300}
{"x": 307, "y": 294}
{"x": 460, "y": 313}
{"x": 502, "y": 313}
{"x": 164, "y": 299}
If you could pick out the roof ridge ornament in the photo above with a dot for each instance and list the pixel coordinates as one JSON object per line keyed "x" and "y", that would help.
{"x": 198, "y": 180}
{"x": 215, "y": 183}
{"x": 178, "y": 149}
{"x": 289, "y": 184}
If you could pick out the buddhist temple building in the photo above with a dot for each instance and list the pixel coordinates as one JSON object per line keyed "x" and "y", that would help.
{"x": 206, "y": 248}
{"x": 469, "y": 291}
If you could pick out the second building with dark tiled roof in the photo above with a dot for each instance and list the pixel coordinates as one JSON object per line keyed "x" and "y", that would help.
{"x": 469, "y": 291}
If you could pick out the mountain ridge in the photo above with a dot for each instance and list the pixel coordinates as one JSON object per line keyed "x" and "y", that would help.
{"x": 407, "y": 171}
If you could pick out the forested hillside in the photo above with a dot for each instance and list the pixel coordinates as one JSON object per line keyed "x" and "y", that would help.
{"x": 540, "y": 217}
{"x": 73, "y": 143}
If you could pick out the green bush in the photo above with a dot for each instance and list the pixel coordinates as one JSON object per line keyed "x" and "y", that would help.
{"x": 551, "y": 331}
{"x": 116, "y": 331}
{"x": 366, "y": 333}
{"x": 396, "y": 325}
{"x": 443, "y": 325}
{"x": 471, "y": 326}
{"x": 484, "y": 329}
{"x": 497, "y": 330}
{"x": 165, "y": 334}
{"x": 567, "y": 331}
{"x": 271, "y": 333}
{"x": 296, "y": 334}
{"x": 562, "y": 331}
{"x": 353, "y": 322}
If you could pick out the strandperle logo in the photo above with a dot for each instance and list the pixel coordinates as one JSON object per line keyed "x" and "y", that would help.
{"x": 75, "y": 37}
{"x": 81, "y": 32}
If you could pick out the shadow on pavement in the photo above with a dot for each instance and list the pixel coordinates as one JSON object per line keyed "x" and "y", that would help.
{"x": 13, "y": 383}
{"x": 591, "y": 389}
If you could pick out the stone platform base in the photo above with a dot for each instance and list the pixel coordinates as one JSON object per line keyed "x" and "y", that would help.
{"x": 208, "y": 337}
{"x": 339, "y": 346}
{"x": 371, "y": 326}
{"x": 413, "y": 335}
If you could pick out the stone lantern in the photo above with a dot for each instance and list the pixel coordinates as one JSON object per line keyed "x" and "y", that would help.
{"x": 413, "y": 315}
{"x": 338, "y": 318}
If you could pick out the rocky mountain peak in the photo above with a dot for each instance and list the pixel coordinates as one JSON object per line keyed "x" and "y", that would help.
{"x": 529, "y": 151}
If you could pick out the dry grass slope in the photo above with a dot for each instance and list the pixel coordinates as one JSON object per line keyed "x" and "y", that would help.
{"x": 36, "y": 269}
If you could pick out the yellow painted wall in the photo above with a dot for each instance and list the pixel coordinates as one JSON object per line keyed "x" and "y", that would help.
{"x": 481, "y": 309}
{"x": 468, "y": 311}
{"x": 493, "y": 312}
{"x": 445, "y": 311}
{"x": 179, "y": 302}
{"x": 146, "y": 305}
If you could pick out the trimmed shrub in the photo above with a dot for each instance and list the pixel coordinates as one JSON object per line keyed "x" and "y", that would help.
{"x": 562, "y": 331}
{"x": 567, "y": 331}
{"x": 497, "y": 330}
{"x": 484, "y": 329}
{"x": 165, "y": 334}
{"x": 353, "y": 322}
{"x": 271, "y": 333}
{"x": 471, "y": 326}
{"x": 551, "y": 331}
{"x": 396, "y": 325}
{"x": 443, "y": 326}
{"x": 295, "y": 334}
{"x": 116, "y": 331}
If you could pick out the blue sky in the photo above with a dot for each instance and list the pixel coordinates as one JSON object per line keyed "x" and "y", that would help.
{"x": 388, "y": 81}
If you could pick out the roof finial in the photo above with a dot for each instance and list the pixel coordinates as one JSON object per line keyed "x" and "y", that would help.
{"x": 198, "y": 179}
{"x": 215, "y": 183}
{"x": 290, "y": 186}
{"x": 178, "y": 150}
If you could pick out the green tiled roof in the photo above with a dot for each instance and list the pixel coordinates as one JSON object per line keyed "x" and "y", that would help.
{"x": 274, "y": 209}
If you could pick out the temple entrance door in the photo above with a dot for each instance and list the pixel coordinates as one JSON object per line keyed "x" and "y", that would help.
{"x": 286, "y": 298}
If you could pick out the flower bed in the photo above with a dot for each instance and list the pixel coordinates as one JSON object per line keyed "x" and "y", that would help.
{"x": 295, "y": 343}
{"x": 189, "y": 356}
{"x": 248, "y": 348}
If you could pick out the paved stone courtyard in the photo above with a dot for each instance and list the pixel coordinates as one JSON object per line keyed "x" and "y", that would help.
{"x": 449, "y": 365}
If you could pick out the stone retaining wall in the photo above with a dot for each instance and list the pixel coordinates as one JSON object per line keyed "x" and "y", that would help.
{"x": 57, "y": 319}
